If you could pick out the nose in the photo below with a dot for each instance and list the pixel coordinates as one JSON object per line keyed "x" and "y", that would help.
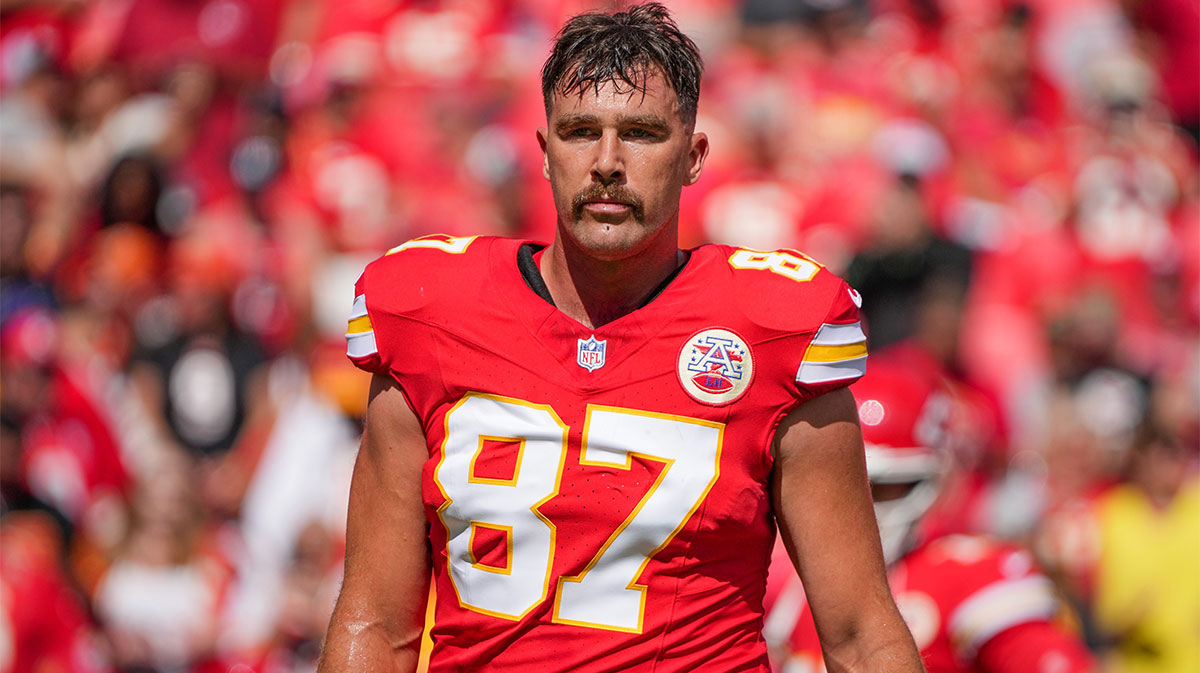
{"x": 609, "y": 165}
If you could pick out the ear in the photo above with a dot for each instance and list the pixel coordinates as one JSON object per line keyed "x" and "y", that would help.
{"x": 697, "y": 152}
{"x": 542, "y": 136}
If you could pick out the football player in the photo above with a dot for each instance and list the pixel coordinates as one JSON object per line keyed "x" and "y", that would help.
{"x": 973, "y": 604}
{"x": 589, "y": 442}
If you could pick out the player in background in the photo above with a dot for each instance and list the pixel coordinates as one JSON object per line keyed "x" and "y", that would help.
{"x": 590, "y": 442}
{"x": 973, "y": 604}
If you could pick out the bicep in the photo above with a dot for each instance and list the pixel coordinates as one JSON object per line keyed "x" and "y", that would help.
{"x": 387, "y": 553}
{"x": 826, "y": 518}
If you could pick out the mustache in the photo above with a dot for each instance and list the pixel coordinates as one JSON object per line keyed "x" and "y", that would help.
{"x": 610, "y": 193}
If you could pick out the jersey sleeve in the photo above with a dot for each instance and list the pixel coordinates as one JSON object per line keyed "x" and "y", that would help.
{"x": 361, "y": 347}
{"x": 415, "y": 284}
{"x": 805, "y": 318}
{"x": 836, "y": 356}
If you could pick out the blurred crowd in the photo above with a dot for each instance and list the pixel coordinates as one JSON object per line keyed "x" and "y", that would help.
{"x": 188, "y": 189}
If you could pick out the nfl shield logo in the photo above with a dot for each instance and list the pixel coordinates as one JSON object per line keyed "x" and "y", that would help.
{"x": 591, "y": 353}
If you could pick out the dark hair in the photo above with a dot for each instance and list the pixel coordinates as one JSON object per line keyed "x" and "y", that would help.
{"x": 138, "y": 167}
{"x": 624, "y": 47}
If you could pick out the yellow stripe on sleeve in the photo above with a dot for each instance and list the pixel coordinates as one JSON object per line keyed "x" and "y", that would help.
{"x": 838, "y": 352}
{"x": 817, "y": 353}
{"x": 359, "y": 325}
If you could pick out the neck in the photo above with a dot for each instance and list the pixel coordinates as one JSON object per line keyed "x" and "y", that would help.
{"x": 595, "y": 292}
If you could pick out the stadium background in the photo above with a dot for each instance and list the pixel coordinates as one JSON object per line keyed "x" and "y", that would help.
{"x": 188, "y": 189}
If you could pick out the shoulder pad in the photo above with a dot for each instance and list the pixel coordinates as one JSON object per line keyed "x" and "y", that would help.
{"x": 404, "y": 281}
{"x": 787, "y": 292}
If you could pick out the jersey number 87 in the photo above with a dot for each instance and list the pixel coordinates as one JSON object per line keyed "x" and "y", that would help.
{"x": 605, "y": 594}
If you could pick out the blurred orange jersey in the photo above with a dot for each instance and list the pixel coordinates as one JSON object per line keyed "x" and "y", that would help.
{"x": 597, "y": 498}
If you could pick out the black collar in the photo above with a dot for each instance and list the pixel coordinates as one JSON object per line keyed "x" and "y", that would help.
{"x": 530, "y": 272}
{"x": 533, "y": 276}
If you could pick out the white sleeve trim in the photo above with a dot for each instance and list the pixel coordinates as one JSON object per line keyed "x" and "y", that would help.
{"x": 360, "y": 307}
{"x": 825, "y": 372}
{"x": 361, "y": 345}
{"x": 839, "y": 335}
{"x": 998, "y": 607}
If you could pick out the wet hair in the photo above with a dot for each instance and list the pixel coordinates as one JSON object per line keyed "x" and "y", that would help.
{"x": 624, "y": 48}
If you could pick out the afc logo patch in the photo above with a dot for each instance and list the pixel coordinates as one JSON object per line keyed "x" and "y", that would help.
{"x": 715, "y": 366}
{"x": 591, "y": 353}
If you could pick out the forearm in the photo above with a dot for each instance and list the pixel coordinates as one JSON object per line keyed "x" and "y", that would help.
{"x": 359, "y": 642}
{"x": 823, "y": 505}
{"x": 379, "y": 618}
{"x": 875, "y": 639}
{"x": 868, "y": 651}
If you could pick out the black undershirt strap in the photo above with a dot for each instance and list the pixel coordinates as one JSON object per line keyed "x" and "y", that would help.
{"x": 533, "y": 276}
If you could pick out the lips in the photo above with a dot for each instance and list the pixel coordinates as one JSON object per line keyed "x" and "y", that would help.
{"x": 610, "y": 202}
{"x": 606, "y": 206}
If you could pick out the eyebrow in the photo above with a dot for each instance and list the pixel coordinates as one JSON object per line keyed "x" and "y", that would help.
{"x": 652, "y": 122}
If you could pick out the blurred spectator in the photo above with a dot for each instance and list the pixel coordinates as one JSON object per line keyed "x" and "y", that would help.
{"x": 44, "y": 623}
{"x": 310, "y": 585}
{"x": 18, "y": 289}
{"x": 298, "y": 485}
{"x": 1148, "y": 604}
{"x": 1131, "y": 182}
{"x": 1144, "y": 606}
{"x": 160, "y": 597}
{"x": 1169, "y": 36}
{"x": 131, "y": 193}
{"x": 197, "y": 367}
{"x": 906, "y": 265}
{"x": 69, "y": 458}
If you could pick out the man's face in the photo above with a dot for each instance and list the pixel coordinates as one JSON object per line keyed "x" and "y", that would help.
{"x": 616, "y": 162}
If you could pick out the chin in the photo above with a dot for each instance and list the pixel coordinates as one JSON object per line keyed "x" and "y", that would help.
{"x": 610, "y": 241}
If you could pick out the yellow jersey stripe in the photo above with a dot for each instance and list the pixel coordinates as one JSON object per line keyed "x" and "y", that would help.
{"x": 817, "y": 353}
{"x": 359, "y": 325}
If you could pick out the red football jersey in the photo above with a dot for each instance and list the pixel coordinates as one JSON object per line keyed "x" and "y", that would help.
{"x": 959, "y": 595}
{"x": 597, "y": 498}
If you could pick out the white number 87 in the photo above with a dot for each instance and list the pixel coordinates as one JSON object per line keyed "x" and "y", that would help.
{"x": 604, "y": 594}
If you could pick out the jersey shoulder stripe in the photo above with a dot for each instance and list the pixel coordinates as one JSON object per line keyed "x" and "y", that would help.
{"x": 360, "y": 334}
{"x": 837, "y": 352}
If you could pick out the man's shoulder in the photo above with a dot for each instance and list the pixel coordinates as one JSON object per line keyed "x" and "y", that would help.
{"x": 432, "y": 280}
{"x": 431, "y": 268}
{"x": 436, "y": 254}
{"x": 781, "y": 289}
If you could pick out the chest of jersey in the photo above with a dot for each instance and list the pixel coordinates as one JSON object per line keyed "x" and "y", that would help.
{"x": 576, "y": 481}
{"x": 605, "y": 488}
